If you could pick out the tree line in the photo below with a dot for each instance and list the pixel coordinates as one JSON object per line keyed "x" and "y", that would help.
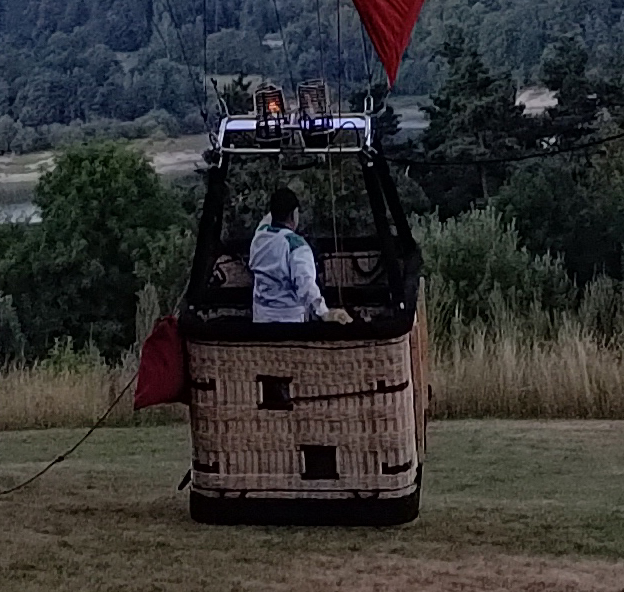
{"x": 101, "y": 61}
{"x": 557, "y": 221}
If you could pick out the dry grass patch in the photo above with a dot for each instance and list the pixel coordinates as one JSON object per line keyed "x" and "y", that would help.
{"x": 34, "y": 398}
{"x": 572, "y": 376}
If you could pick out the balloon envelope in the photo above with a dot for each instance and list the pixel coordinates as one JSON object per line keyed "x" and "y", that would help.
{"x": 389, "y": 24}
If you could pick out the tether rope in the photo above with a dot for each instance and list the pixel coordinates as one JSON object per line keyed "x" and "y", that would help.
{"x": 59, "y": 459}
{"x": 205, "y": 43}
{"x": 369, "y": 72}
{"x": 517, "y": 158}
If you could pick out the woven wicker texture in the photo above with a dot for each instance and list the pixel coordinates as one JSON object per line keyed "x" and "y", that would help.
{"x": 356, "y": 397}
{"x": 336, "y": 270}
{"x": 352, "y": 269}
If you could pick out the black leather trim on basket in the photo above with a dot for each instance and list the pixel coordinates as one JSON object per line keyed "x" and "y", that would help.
{"x": 206, "y": 387}
{"x": 305, "y": 512}
{"x": 387, "y": 469}
{"x": 381, "y": 389}
{"x": 244, "y": 330}
{"x": 242, "y": 297}
{"x": 377, "y": 490}
{"x": 209, "y": 468}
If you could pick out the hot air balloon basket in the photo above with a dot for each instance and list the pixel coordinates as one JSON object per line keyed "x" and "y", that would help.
{"x": 308, "y": 423}
{"x": 316, "y": 432}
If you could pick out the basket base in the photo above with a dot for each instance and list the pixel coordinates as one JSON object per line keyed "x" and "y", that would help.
{"x": 304, "y": 512}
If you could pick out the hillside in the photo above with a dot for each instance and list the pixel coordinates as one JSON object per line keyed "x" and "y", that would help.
{"x": 119, "y": 60}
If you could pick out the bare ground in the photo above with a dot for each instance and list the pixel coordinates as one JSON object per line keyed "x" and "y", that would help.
{"x": 508, "y": 506}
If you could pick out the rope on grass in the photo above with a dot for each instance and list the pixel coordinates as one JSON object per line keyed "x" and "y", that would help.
{"x": 59, "y": 459}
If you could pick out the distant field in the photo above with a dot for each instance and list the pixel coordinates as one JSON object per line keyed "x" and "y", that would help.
{"x": 14, "y": 193}
{"x": 171, "y": 157}
{"x": 175, "y": 156}
{"x": 508, "y": 506}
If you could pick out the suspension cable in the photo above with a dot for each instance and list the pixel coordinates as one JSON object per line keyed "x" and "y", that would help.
{"x": 339, "y": 45}
{"x": 509, "y": 159}
{"x": 196, "y": 92}
{"x": 320, "y": 38}
{"x": 205, "y": 43}
{"x": 367, "y": 64}
{"x": 286, "y": 54}
{"x": 335, "y": 227}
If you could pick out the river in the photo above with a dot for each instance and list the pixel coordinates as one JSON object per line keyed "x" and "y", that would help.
{"x": 22, "y": 212}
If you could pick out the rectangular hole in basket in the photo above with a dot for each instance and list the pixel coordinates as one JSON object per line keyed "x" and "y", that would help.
{"x": 275, "y": 393}
{"x": 321, "y": 462}
{"x": 211, "y": 468}
{"x": 386, "y": 469}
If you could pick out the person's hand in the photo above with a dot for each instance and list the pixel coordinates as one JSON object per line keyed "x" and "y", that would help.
{"x": 337, "y": 315}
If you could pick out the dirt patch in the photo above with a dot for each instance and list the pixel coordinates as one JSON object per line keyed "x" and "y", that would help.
{"x": 471, "y": 573}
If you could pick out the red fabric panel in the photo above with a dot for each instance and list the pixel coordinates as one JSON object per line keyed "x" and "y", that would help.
{"x": 389, "y": 24}
{"x": 161, "y": 370}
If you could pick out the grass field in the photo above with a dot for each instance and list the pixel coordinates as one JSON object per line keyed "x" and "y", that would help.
{"x": 508, "y": 506}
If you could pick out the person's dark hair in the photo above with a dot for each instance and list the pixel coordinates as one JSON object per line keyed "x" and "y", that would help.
{"x": 283, "y": 203}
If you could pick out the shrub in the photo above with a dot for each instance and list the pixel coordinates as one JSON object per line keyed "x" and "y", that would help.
{"x": 476, "y": 269}
{"x": 64, "y": 357}
{"x": 12, "y": 340}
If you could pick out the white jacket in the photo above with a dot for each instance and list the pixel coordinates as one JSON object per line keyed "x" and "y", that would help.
{"x": 285, "y": 288}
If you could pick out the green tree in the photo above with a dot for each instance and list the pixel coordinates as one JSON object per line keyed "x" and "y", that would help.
{"x": 26, "y": 139}
{"x": 387, "y": 121}
{"x": 473, "y": 116}
{"x": 49, "y": 97}
{"x": 476, "y": 255}
{"x": 12, "y": 341}
{"x": 568, "y": 207}
{"x": 8, "y": 131}
{"x": 101, "y": 208}
{"x": 474, "y": 113}
{"x": 564, "y": 70}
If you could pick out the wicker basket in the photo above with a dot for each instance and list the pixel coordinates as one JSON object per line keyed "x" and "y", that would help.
{"x": 308, "y": 433}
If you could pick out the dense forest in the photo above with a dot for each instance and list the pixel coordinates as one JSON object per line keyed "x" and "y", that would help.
{"x": 99, "y": 63}
{"x": 533, "y": 231}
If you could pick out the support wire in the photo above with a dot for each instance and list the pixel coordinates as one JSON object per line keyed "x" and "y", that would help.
{"x": 286, "y": 54}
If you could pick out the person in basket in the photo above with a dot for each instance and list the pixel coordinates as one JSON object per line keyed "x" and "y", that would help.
{"x": 282, "y": 262}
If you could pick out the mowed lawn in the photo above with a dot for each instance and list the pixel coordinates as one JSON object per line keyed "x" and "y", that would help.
{"x": 507, "y": 506}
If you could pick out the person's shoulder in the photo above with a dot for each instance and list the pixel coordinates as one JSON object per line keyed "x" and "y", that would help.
{"x": 265, "y": 223}
{"x": 296, "y": 241}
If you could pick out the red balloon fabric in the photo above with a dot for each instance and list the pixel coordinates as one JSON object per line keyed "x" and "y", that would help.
{"x": 162, "y": 375}
{"x": 389, "y": 24}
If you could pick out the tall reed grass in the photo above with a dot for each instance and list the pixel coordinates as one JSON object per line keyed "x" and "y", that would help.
{"x": 540, "y": 364}
{"x": 39, "y": 397}
{"x": 571, "y": 376}
{"x": 74, "y": 388}
{"x": 513, "y": 362}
